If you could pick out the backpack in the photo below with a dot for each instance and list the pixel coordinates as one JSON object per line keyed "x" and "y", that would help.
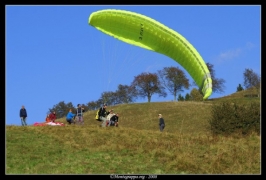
{"x": 98, "y": 114}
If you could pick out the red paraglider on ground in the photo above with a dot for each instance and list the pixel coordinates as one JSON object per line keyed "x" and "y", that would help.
{"x": 49, "y": 124}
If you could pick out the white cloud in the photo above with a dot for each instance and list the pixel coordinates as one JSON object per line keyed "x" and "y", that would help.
{"x": 234, "y": 53}
{"x": 230, "y": 54}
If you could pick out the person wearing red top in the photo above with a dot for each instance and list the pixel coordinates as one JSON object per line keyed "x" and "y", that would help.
{"x": 52, "y": 117}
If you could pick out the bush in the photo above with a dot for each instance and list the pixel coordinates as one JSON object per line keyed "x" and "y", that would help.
{"x": 229, "y": 117}
{"x": 195, "y": 95}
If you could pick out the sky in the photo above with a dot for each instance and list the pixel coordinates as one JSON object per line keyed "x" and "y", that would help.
{"x": 54, "y": 55}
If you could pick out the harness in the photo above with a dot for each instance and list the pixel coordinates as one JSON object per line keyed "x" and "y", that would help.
{"x": 79, "y": 113}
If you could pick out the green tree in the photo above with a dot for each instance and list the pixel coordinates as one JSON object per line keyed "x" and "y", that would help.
{"x": 180, "y": 98}
{"x": 187, "y": 97}
{"x": 108, "y": 97}
{"x": 61, "y": 109}
{"x": 239, "y": 88}
{"x": 174, "y": 79}
{"x": 93, "y": 105}
{"x": 196, "y": 95}
{"x": 125, "y": 94}
{"x": 148, "y": 84}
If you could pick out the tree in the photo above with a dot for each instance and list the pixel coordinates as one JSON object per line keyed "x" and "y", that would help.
{"x": 251, "y": 79}
{"x": 180, "y": 98}
{"x": 239, "y": 88}
{"x": 187, "y": 97}
{"x": 93, "y": 105}
{"x": 108, "y": 97}
{"x": 174, "y": 80}
{"x": 125, "y": 94}
{"x": 196, "y": 95}
{"x": 61, "y": 109}
{"x": 147, "y": 84}
{"x": 217, "y": 84}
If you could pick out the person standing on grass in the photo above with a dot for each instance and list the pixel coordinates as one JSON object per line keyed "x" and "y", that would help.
{"x": 79, "y": 116}
{"x": 161, "y": 122}
{"x": 23, "y": 116}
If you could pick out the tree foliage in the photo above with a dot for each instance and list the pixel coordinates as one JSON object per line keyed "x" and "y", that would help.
{"x": 108, "y": 98}
{"x": 187, "y": 97}
{"x": 239, "y": 88}
{"x": 174, "y": 79}
{"x": 196, "y": 95}
{"x": 180, "y": 98}
{"x": 61, "y": 109}
{"x": 93, "y": 105}
{"x": 148, "y": 84}
{"x": 125, "y": 94}
{"x": 217, "y": 84}
{"x": 251, "y": 79}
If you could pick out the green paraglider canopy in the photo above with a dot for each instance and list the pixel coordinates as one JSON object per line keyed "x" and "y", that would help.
{"x": 145, "y": 32}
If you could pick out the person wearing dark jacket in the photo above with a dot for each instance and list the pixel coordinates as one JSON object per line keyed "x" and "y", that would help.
{"x": 79, "y": 115}
{"x": 161, "y": 122}
{"x": 114, "y": 120}
{"x": 102, "y": 115}
{"x": 23, "y": 116}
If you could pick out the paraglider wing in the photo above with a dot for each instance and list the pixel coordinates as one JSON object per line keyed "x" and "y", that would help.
{"x": 145, "y": 32}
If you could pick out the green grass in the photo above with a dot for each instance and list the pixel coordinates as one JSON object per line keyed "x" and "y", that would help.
{"x": 137, "y": 146}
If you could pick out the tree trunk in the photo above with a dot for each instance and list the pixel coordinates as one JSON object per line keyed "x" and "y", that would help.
{"x": 149, "y": 98}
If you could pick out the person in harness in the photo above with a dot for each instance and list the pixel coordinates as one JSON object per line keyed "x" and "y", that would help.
{"x": 111, "y": 113}
{"x": 79, "y": 115}
{"x": 102, "y": 115}
{"x": 114, "y": 120}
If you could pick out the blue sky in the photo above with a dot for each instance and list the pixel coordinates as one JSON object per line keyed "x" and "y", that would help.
{"x": 54, "y": 55}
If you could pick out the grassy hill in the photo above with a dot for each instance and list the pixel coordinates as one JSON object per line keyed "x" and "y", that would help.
{"x": 137, "y": 146}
